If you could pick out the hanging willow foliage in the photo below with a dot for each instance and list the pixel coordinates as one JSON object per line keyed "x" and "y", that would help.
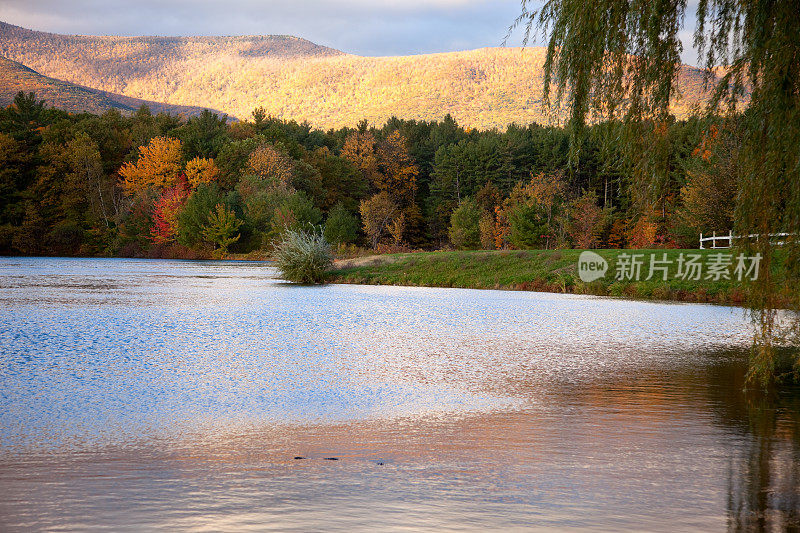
{"x": 620, "y": 59}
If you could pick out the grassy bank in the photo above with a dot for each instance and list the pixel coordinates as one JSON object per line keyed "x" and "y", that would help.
{"x": 548, "y": 271}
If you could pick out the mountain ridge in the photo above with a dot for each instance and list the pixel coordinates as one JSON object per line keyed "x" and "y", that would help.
{"x": 16, "y": 77}
{"x": 7, "y": 28}
{"x": 293, "y": 78}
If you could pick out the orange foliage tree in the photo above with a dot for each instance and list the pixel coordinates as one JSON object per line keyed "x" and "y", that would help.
{"x": 359, "y": 149}
{"x": 709, "y": 196}
{"x": 157, "y": 168}
{"x": 388, "y": 166}
{"x": 200, "y": 170}
{"x": 548, "y": 191}
{"x": 585, "y": 221}
{"x": 502, "y": 227}
{"x": 642, "y": 232}
{"x": 399, "y": 176}
{"x": 270, "y": 164}
{"x": 378, "y": 214}
{"x": 617, "y": 233}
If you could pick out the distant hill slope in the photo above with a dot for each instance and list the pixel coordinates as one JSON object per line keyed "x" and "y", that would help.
{"x": 15, "y": 77}
{"x": 294, "y": 78}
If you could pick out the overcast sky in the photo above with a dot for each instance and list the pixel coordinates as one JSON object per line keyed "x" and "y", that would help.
{"x": 364, "y": 27}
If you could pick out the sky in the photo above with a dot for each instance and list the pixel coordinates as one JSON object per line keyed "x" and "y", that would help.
{"x": 363, "y": 27}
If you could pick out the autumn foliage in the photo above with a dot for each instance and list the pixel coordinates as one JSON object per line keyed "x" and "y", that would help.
{"x": 387, "y": 166}
{"x": 359, "y": 149}
{"x": 152, "y": 185}
{"x": 584, "y": 227}
{"x": 378, "y": 214}
{"x": 201, "y": 170}
{"x": 157, "y": 168}
{"x": 270, "y": 164}
{"x": 165, "y": 213}
{"x": 399, "y": 172}
{"x": 642, "y": 232}
{"x": 483, "y": 89}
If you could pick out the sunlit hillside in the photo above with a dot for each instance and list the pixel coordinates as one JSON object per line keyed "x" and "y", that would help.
{"x": 294, "y": 78}
{"x": 15, "y": 77}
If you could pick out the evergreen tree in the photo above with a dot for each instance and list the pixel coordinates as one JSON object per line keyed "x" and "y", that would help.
{"x": 221, "y": 230}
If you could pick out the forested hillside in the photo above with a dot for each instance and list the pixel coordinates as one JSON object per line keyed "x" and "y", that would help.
{"x": 158, "y": 186}
{"x": 294, "y": 79}
{"x": 15, "y": 77}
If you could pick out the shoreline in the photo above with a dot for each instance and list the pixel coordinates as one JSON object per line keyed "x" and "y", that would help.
{"x": 553, "y": 271}
{"x": 550, "y": 271}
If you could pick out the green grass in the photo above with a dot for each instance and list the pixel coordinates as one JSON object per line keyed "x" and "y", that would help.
{"x": 548, "y": 271}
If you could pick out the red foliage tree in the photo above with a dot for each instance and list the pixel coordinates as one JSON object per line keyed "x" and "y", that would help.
{"x": 165, "y": 212}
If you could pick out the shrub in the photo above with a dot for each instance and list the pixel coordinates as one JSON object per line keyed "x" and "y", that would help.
{"x": 303, "y": 257}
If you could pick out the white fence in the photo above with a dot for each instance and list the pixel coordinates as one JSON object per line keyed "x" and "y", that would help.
{"x": 729, "y": 238}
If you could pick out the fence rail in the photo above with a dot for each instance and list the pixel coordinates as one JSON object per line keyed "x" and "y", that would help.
{"x": 730, "y": 237}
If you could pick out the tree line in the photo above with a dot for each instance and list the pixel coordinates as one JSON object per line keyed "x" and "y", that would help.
{"x": 163, "y": 186}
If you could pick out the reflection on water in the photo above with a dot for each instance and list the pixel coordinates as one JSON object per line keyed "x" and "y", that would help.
{"x": 177, "y": 395}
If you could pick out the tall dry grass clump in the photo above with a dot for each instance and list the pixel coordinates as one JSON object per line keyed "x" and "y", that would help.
{"x": 304, "y": 256}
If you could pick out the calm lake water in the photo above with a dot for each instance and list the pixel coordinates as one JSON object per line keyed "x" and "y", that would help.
{"x": 171, "y": 395}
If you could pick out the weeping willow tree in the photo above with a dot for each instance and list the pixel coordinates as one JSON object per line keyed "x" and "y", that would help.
{"x": 620, "y": 60}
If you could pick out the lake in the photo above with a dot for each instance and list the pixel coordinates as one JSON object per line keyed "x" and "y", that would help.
{"x": 210, "y": 396}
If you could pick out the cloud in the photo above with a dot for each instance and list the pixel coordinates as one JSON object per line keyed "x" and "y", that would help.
{"x": 364, "y": 27}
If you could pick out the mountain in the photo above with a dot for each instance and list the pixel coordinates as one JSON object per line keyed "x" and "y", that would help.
{"x": 295, "y": 79}
{"x": 15, "y": 77}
